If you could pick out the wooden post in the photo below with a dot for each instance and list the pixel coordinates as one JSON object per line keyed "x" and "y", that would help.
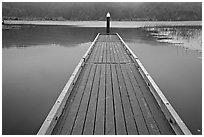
{"x": 108, "y": 23}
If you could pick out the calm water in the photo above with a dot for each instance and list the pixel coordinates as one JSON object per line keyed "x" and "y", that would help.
{"x": 37, "y": 62}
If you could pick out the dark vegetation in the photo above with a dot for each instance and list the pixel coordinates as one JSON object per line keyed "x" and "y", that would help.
{"x": 161, "y": 11}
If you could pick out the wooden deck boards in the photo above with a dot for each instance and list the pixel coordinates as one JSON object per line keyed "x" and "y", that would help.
{"x": 111, "y": 97}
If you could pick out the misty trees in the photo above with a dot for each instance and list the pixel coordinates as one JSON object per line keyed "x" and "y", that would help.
{"x": 98, "y": 10}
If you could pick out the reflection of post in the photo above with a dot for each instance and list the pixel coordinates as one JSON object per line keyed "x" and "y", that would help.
{"x": 108, "y": 23}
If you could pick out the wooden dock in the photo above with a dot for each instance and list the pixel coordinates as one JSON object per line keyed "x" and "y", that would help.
{"x": 110, "y": 92}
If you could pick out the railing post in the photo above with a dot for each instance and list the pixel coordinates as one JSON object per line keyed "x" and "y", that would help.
{"x": 108, "y": 23}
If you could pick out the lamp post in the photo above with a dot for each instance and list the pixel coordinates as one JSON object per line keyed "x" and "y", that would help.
{"x": 108, "y": 23}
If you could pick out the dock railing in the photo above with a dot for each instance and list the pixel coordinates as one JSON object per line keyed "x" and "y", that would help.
{"x": 173, "y": 118}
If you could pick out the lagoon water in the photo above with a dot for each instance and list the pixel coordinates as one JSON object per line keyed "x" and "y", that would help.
{"x": 37, "y": 61}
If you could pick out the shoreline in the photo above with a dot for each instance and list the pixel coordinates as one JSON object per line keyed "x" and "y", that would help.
{"x": 114, "y": 24}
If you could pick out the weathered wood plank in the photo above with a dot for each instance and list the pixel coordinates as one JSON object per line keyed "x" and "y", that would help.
{"x": 114, "y": 38}
{"x": 117, "y": 60}
{"x": 151, "y": 123}
{"x": 119, "y": 116}
{"x": 94, "y": 53}
{"x": 108, "y": 38}
{"x": 101, "y": 53}
{"x": 79, "y": 122}
{"x": 70, "y": 115}
{"x": 117, "y": 53}
{"x": 137, "y": 111}
{"x": 60, "y": 123}
{"x": 129, "y": 118}
{"x": 100, "y": 113}
{"x": 120, "y": 56}
{"x": 98, "y": 52}
{"x": 89, "y": 123}
{"x": 108, "y": 52}
{"x": 104, "y": 52}
{"x": 123, "y": 53}
{"x": 110, "y": 114}
{"x": 124, "y": 57}
{"x": 112, "y": 58}
{"x": 137, "y": 75}
{"x": 156, "y": 112}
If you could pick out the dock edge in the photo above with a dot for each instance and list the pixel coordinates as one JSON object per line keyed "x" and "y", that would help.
{"x": 171, "y": 115}
{"x": 59, "y": 105}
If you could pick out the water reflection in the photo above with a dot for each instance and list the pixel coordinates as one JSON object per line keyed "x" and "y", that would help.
{"x": 37, "y": 35}
{"x": 187, "y": 37}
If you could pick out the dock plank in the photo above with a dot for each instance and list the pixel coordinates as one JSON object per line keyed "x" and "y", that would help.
{"x": 104, "y": 52}
{"x": 100, "y": 112}
{"x": 110, "y": 114}
{"x": 89, "y": 123}
{"x": 120, "y": 60}
{"x": 156, "y": 112}
{"x": 129, "y": 118}
{"x": 108, "y": 52}
{"x": 79, "y": 122}
{"x": 138, "y": 77}
{"x": 151, "y": 123}
{"x": 119, "y": 115}
{"x": 97, "y": 56}
{"x": 94, "y": 53}
{"x": 123, "y": 53}
{"x": 82, "y": 79}
{"x": 118, "y": 53}
{"x": 70, "y": 113}
{"x": 100, "y": 60}
{"x": 115, "y": 56}
{"x": 137, "y": 112}
{"x": 112, "y": 58}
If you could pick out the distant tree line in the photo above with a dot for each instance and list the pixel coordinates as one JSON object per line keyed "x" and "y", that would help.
{"x": 161, "y": 11}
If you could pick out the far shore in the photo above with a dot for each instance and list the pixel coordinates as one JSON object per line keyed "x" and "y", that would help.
{"x": 114, "y": 24}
